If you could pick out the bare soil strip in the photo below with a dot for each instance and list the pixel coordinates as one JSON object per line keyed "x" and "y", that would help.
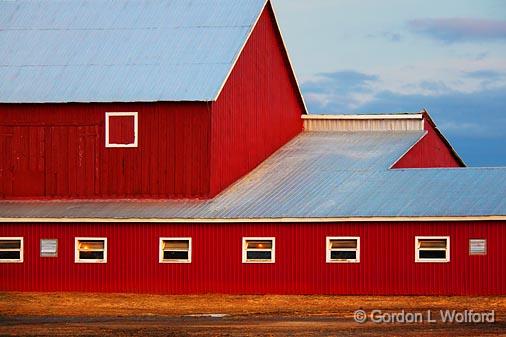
{"x": 83, "y": 314}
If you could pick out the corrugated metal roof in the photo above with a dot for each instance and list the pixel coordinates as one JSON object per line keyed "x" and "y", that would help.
{"x": 317, "y": 175}
{"x": 120, "y": 51}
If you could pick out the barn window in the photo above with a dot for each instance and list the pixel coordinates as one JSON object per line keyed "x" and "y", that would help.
{"x": 48, "y": 247}
{"x": 343, "y": 249}
{"x": 11, "y": 250}
{"x": 432, "y": 249}
{"x": 258, "y": 250}
{"x": 91, "y": 250}
{"x": 175, "y": 250}
{"x": 477, "y": 247}
{"x": 121, "y": 129}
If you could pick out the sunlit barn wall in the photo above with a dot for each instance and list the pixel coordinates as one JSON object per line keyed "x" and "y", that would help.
{"x": 259, "y": 108}
{"x": 386, "y": 265}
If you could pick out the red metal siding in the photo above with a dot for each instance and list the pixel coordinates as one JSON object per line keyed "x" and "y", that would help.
{"x": 386, "y": 260}
{"x": 259, "y": 108}
{"x": 121, "y": 129}
{"x": 430, "y": 151}
{"x": 58, "y": 151}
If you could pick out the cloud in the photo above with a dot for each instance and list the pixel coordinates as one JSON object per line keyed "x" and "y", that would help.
{"x": 433, "y": 86}
{"x": 390, "y": 36}
{"x": 488, "y": 78}
{"x": 465, "y": 118}
{"x": 337, "y": 91}
{"x": 486, "y": 74}
{"x": 451, "y": 30}
{"x": 345, "y": 80}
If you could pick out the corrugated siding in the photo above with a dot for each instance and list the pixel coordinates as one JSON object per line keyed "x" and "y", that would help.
{"x": 259, "y": 108}
{"x": 120, "y": 51}
{"x": 347, "y": 125}
{"x": 430, "y": 151}
{"x": 58, "y": 151}
{"x": 386, "y": 265}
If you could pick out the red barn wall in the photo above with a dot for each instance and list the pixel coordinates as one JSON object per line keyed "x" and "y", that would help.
{"x": 258, "y": 109}
{"x": 185, "y": 150}
{"x": 430, "y": 151}
{"x": 386, "y": 260}
{"x": 58, "y": 151}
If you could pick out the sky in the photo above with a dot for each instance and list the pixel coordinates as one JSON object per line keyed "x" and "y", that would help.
{"x": 372, "y": 56}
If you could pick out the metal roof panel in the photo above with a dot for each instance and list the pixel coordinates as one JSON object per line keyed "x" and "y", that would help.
{"x": 115, "y": 51}
{"x": 316, "y": 175}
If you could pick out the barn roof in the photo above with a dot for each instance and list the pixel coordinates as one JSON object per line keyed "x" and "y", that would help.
{"x": 120, "y": 51}
{"x": 318, "y": 175}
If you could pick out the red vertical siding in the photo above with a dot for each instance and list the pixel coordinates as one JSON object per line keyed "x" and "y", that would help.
{"x": 386, "y": 260}
{"x": 121, "y": 129}
{"x": 258, "y": 109}
{"x": 430, "y": 151}
{"x": 58, "y": 151}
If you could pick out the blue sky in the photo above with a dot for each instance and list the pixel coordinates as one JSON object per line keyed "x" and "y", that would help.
{"x": 372, "y": 56}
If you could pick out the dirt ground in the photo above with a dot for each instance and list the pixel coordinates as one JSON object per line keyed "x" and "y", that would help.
{"x": 80, "y": 314}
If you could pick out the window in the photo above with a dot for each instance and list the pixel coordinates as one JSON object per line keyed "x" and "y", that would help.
{"x": 477, "y": 247}
{"x": 432, "y": 249}
{"x": 343, "y": 249}
{"x": 48, "y": 248}
{"x": 175, "y": 250}
{"x": 258, "y": 250}
{"x": 11, "y": 250}
{"x": 121, "y": 129}
{"x": 91, "y": 250}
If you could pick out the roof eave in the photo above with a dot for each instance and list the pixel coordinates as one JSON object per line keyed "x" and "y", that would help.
{"x": 450, "y": 218}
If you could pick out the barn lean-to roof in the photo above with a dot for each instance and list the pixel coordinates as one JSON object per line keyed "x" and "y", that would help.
{"x": 121, "y": 51}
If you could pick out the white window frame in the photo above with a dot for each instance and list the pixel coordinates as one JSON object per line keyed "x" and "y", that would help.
{"x": 329, "y": 250}
{"x": 245, "y": 250}
{"x": 422, "y": 260}
{"x": 40, "y": 248}
{"x": 21, "y": 250}
{"x": 76, "y": 250}
{"x": 478, "y": 254}
{"x": 121, "y": 114}
{"x": 160, "y": 250}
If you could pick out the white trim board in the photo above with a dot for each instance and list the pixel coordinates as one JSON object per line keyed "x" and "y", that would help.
{"x": 328, "y": 249}
{"x": 261, "y": 220}
{"x": 432, "y": 260}
{"x": 77, "y": 259}
{"x": 108, "y": 144}
{"x": 245, "y": 259}
{"x": 167, "y": 238}
{"x": 21, "y": 249}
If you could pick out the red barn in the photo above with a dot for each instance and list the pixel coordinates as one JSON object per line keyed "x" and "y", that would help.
{"x": 164, "y": 147}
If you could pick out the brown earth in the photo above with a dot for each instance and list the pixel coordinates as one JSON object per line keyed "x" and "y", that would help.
{"x": 84, "y": 314}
